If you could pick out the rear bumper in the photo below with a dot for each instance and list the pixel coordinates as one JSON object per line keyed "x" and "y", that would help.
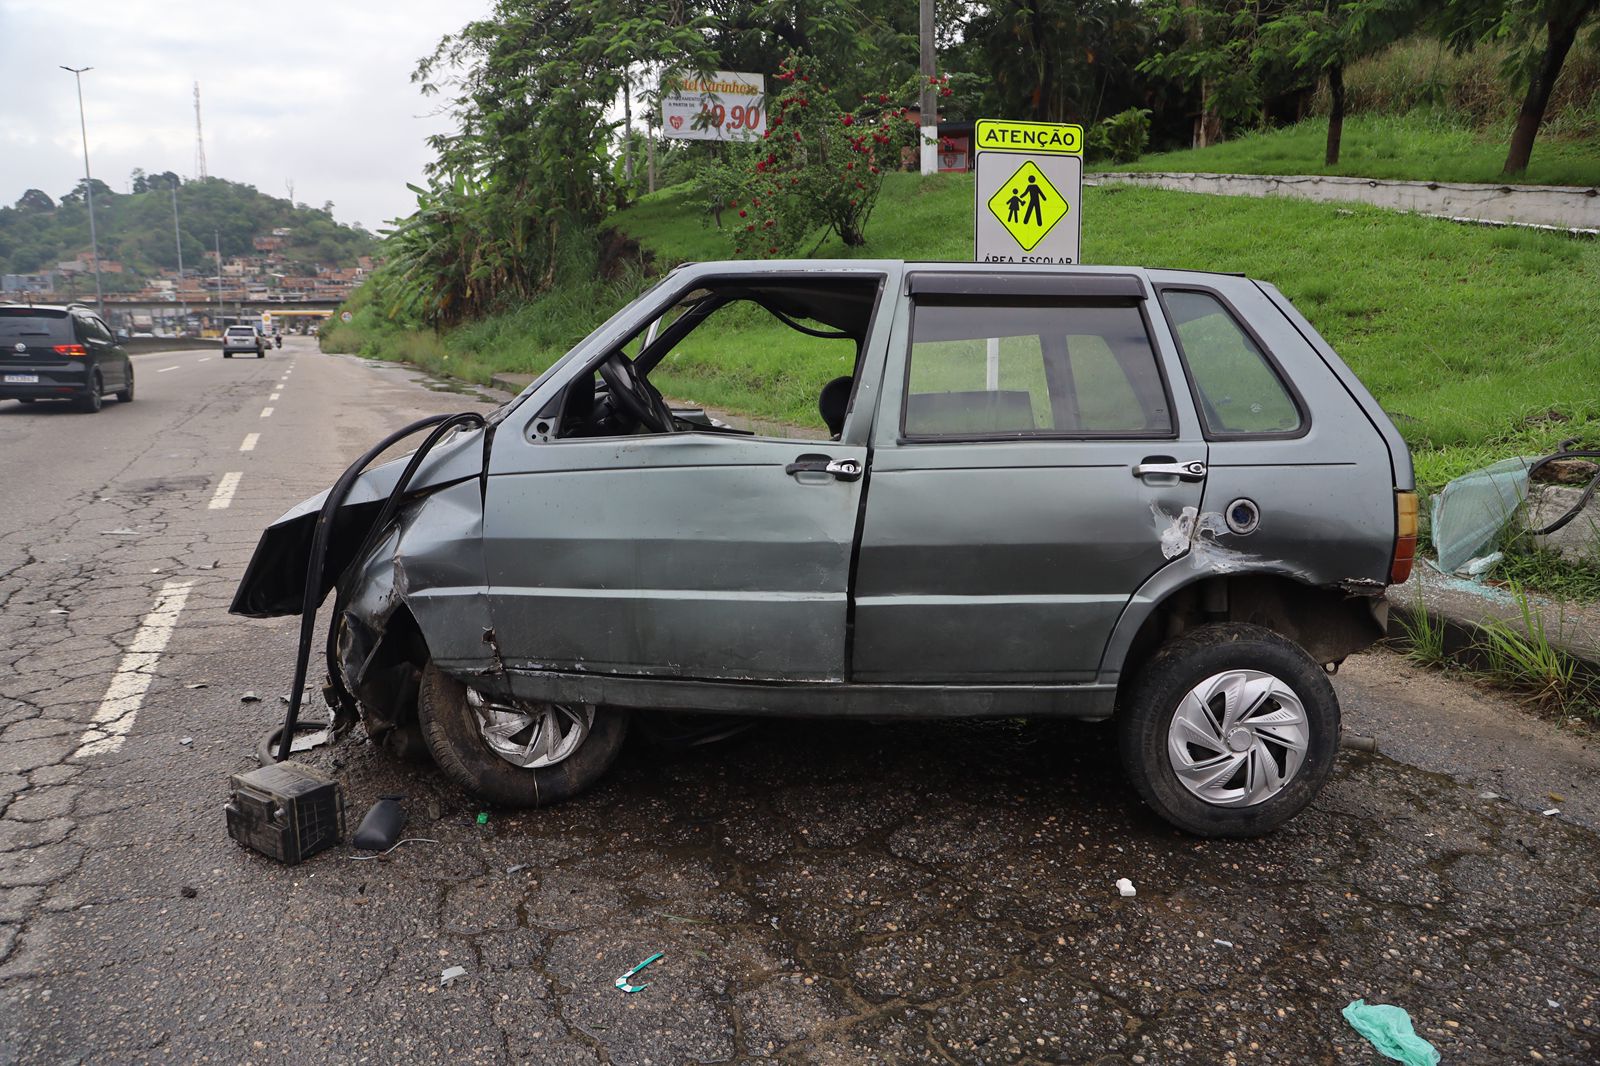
{"x": 55, "y": 382}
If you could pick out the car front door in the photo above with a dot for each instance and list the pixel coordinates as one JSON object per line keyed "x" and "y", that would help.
{"x": 692, "y": 554}
{"x": 1030, "y": 470}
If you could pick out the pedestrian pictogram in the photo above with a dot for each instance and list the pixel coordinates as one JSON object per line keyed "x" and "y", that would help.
{"x": 1028, "y": 206}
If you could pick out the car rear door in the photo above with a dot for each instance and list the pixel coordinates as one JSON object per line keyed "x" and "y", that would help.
{"x": 1030, "y": 469}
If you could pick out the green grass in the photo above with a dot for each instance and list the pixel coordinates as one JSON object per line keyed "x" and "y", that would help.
{"x": 1415, "y": 147}
{"x": 1480, "y": 343}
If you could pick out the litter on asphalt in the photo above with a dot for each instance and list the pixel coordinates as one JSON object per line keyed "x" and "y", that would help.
{"x": 449, "y": 976}
{"x": 1388, "y": 1028}
{"x": 1552, "y": 812}
{"x": 622, "y": 982}
{"x": 1125, "y": 887}
{"x": 249, "y": 697}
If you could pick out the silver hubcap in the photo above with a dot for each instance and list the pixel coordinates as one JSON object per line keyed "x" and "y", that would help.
{"x": 531, "y": 735}
{"x": 1238, "y": 738}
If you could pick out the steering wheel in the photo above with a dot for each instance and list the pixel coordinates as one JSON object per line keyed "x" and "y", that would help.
{"x": 634, "y": 394}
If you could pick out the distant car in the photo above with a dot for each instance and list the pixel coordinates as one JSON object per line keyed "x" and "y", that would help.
{"x": 243, "y": 340}
{"x": 1155, "y": 496}
{"x": 61, "y": 353}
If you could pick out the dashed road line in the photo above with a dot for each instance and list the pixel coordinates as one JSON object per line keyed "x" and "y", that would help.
{"x": 225, "y": 490}
{"x": 203, "y": 359}
{"x": 114, "y": 718}
{"x": 266, "y": 412}
{"x": 249, "y": 444}
{"x": 164, "y": 369}
{"x": 275, "y": 395}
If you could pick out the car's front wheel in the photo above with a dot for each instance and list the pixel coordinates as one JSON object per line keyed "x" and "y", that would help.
{"x": 125, "y": 394}
{"x": 516, "y": 753}
{"x": 1230, "y": 730}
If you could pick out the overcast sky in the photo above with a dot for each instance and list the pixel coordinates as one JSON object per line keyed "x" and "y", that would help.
{"x": 316, "y": 93}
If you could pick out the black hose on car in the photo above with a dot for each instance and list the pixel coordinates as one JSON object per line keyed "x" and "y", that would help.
{"x": 317, "y": 557}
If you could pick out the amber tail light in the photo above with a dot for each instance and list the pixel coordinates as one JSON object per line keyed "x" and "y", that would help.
{"x": 1405, "y": 536}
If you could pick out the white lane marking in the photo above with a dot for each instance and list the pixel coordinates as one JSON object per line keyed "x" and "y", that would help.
{"x": 225, "y": 490}
{"x": 120, "y": 705}
{"x": 249, "y": 444}
{"x": 203, "y": 359}
{"x": 164, "y": 369}
{"x": 266, "y": 412}
{"x": 275, "y": 395}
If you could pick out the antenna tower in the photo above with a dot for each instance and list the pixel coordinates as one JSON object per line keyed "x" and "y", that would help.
{"x": 199, "y": 137}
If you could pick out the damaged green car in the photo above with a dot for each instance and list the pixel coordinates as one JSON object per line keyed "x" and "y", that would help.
{"x": 1096, "y": 492}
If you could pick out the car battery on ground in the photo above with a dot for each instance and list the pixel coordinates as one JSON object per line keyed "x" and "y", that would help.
{"x": 286, "y": 811}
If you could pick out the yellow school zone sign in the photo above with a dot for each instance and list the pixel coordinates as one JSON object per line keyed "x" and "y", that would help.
{"x": 1027, "y": 192}
{"x": 1028, "y": 206}
{"x": 1055, "y": 138}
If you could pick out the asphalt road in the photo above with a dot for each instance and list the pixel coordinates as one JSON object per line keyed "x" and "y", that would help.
{"x": 825, "y": 892}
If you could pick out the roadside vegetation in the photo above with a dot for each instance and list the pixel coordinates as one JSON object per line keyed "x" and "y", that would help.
{"x": 1417, "y": 146}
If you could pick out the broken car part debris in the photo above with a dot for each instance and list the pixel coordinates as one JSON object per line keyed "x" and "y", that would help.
{"x": 622, "y": 982}
{"x": 381, "y": 826}
{"x": 286, "y": 811}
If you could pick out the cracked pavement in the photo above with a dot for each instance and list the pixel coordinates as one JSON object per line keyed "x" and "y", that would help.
{"x": 830, "y": 892}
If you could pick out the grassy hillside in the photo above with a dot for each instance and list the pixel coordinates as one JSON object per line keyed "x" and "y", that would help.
{"x": 1482, "y": 343}
{"x": 1416, "y": 147}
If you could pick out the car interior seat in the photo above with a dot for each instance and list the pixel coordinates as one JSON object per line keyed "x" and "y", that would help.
{"x": 832, "y": 404}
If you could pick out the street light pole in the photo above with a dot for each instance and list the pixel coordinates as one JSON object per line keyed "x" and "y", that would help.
{"x": 217, "y": 243}
{"x": 177, "y": 236}
{"x": 88, "y": 188}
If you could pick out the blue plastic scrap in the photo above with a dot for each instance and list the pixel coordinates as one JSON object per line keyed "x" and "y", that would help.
{"x": 1389, "y": 1030}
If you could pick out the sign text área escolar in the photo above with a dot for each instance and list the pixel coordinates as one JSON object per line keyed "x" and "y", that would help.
{"x": 1056, "y": 138}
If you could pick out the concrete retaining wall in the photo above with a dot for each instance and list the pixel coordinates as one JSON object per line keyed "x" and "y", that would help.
{"x": 1566, "y": 206}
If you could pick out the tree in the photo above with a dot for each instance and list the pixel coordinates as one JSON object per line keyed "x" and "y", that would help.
{"x": 1319, "y": 38}
{"x": 35, "y": 200}
{"x": 819, "y": 165}
{"x": 1541, "y": 33}
{"x": 1214, "y": 49}
{"x": 138, "y": 181}
{"x": 529, "y": 88}
{"x": 79, "y": 192}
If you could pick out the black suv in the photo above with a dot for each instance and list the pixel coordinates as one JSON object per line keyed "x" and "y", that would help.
{"x": 61, "y": 353}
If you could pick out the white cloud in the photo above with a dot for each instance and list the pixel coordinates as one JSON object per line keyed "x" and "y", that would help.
{"x": 317, "y": 93}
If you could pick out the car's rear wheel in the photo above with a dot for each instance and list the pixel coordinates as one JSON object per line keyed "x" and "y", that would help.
{"x": 95, "y": 397}
{"x": 227, "y": 355}
{"x": 24, "y": 399}
{"x": 1230, "y": 730}
{"x": 516, "y": 753}
{"x": 125, "y": 394}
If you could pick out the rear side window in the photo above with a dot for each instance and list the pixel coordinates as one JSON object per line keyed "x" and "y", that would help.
{"x": 1021, "y": 370}
{"x": 1237, "y": 388}
{"x": 29, "y": 328}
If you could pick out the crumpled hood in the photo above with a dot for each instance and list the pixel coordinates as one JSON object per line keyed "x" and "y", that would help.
{"x": 274, "y": 582}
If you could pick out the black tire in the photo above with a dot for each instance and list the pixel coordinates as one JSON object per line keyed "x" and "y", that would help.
{"x": 125, "y": 394}
{"x": 1180, "y": 666}
{"x": 95, "y": 398}
{"x": 450, "y": 729}
{"x": 24, "y": 399}
{"x": 261, "y": 353}
{"x": 227, "y": 355}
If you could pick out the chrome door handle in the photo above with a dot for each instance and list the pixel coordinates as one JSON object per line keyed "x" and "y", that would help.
{"x": 839, "y": 469}
{"x": 1190, "y": 471}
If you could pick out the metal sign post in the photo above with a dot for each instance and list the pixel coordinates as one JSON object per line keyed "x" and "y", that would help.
{"x": 1029, "y": 195}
